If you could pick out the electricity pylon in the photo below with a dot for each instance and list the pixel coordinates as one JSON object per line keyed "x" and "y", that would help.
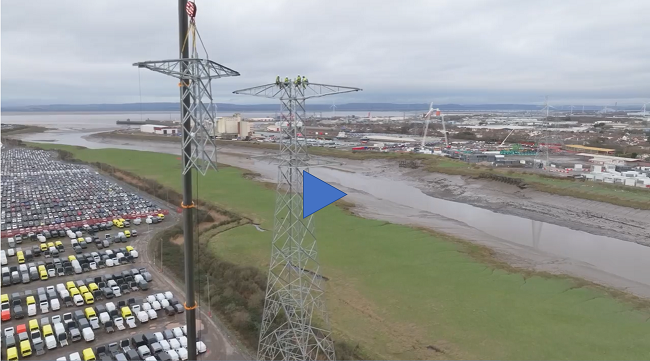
{"x": 295, "y": 325}
{"x": 195, "y": 74}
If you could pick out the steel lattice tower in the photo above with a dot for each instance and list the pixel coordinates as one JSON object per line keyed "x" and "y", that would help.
{"x": 295, "y": 325}
{"x": 195, "y": 73}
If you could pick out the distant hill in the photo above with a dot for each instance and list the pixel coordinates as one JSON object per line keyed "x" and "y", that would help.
{"x": 226, "y": 107}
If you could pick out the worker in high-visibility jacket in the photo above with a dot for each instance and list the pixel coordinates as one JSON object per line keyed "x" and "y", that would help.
{"x": 277, "y": 80}
{"x": 305, "y": 82}
{"x": 286, "y": 80}
{"x": 297, "y": 81}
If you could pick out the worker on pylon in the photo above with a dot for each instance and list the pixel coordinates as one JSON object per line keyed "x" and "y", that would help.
{"x": 286, "y": 81}
{"x": 305, "y": 82}
{"x": 297, "y": 80}
{"x": 277, "y": 80}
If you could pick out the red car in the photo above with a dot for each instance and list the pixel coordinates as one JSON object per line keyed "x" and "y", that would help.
{"x": 6, "y": 315}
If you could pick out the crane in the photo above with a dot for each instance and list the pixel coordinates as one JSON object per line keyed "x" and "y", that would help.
{"x": 506, "y": 138}
{"x": 427, "y": 118}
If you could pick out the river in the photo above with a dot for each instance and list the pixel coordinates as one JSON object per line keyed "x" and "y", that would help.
{"x": 521, "y": 241}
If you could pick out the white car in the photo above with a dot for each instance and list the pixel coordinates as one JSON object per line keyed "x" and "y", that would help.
{"x": 78, "y": 300}
{"x": 183, "y": 341}
{"x": 135, "y": 309}
{"x": 164, "y": 303}
{"x": 56, "y": 319}
{"x": 75, "y": 357}
{"x": 143, "y": 317}
{"x": 31, "y": 310}
{"x": 165, "y": 345}
{"x": 201, "y": 347}
{"x": 159, "y": 336}
{"x": 156, "y": 305}
{"x": 152, "y": 314}
{"x": 117, "y": 292}
{"x": 178, "y": 332}
{"x": 169, "y": 295}
{"x": 130, "y": 321}
{"x": 151, "y": 298}
{"x": 182, "y": 353}
{"x": 160, "y": 297}
{"x": 146, "y": 306}
{"x": 173, "y": 355}
{"x": 88, "y": 334}
{"x": 110, "y": 306}
{"x": 119, "y": 323}
{"x": 137, "y": 221}
{"x": 55, "y": 304}
{"x": 174, "y": 344}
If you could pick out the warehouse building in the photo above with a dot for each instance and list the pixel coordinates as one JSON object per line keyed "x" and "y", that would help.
{"x": 159, "y": 129}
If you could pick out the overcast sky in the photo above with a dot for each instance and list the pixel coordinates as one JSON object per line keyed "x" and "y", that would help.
{"x": 462, "y": 51}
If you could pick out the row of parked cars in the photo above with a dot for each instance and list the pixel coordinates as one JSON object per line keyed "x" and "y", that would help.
{"x": 59, "y": 330}
{"x": 169, "y": 345}
{"x": 75, "y": 293}
{"x": 38, "y": 190}
{"x": 73, "y": 264}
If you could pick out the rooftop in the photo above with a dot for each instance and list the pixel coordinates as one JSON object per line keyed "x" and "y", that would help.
{"x": 575, "y": 146}
{"x": 599, "y": 156}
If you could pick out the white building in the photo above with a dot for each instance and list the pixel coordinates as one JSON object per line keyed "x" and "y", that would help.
{"x": 159, "y": 129}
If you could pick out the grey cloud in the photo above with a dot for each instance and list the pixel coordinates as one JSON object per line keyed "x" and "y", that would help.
{"x": 508, "y": 51}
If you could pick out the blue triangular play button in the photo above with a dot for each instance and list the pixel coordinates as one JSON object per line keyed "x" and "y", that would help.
{"x": 317, "y": 194}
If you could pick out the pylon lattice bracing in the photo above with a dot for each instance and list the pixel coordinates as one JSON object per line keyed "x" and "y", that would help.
{"x": 295, "y": 325}
{"x": 197, "y": 74}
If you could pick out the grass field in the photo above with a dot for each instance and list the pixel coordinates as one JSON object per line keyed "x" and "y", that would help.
{"x": 401, "y": 293}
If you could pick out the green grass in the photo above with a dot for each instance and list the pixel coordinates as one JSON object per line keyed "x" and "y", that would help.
{"x": 396, "y": 290}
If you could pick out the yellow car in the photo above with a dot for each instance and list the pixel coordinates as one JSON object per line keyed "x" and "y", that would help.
{"x": 122, "y": 220}
{"x": 80, "y": 239}
{"x": 115, "y": 222}
{"x": 43, "y": 247}
{"x": 90, "y": 312}
{"x": 161, "y": 216}
{"x": 12, "y": 354}
{"x": 126, "y": 312}
{"x": 127, "y": 233}
{"x": 4, "y": 298}
{"x": 73, "y": 291}
{"x": 88, "y": 298}
{"x": 21, "y": 257}
{"x": 58, "y": 244}
{"x": 89, "y": 355}
{"x": 71, "y": 258}
{"x": 47, "y": 331}
{"x": 129, "y": 248}
{"x": 83, "y": 289}
{"x": 69, "y": 285}
{"x": 43, "y": 274}
{"x": 30, "y": 300}
{"x": 50, "y": 244}
{"x": 25, "y": 348}
{"x": 93, "y": 286}
{"x": 120, "y": 225}
{"x": 33, "y": 325}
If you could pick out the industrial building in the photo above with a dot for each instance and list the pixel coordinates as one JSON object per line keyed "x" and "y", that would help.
{"x": 592, "y": 150}
{"x": 233, "y": 125}
{"x": 608, "y": 159}
{"x": 159, "y": 129}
